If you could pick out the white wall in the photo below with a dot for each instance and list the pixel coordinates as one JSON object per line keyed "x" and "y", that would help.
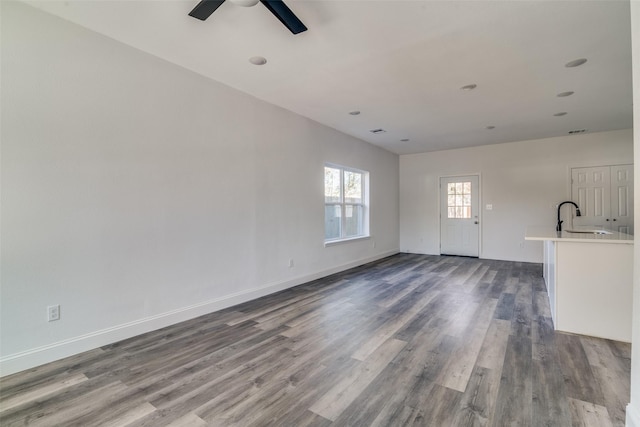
{"x": 522, "y": 180}
{"x": 633, "y": 410}
{"x": 136, "y": 194}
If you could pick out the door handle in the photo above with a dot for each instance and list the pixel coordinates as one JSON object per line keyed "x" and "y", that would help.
{"x": 607, "y": 219}
{"x": 614, "y": 219}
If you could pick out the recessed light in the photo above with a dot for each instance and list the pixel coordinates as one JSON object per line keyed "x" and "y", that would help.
{"x": 258, "y": 60}
{"x": 490, "y": 127}
{"x": 469, "y": 87}
{"x": 564, "y": 113}
{"x": 377, "y": 131}
{"x": 575, "y": 63}
{"x": 354, "y": 113}
{"x": 563, "y": 94}
{"x": 571, "y": 132}
{"x": 404, "y": 140}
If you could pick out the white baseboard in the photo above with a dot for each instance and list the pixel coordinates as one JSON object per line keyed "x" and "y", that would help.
{"x": 633, "y": 416}
{"x": 48, "y": 353}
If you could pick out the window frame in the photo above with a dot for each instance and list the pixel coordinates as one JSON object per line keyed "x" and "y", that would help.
{"x": 363, "y": 205}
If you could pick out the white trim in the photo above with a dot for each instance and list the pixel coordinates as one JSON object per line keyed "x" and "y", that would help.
{"x": 633, "y": 416}
{"x": 345, "y": 240}
{"x": 347, "y": 168}
{"x": 48, "y": 353}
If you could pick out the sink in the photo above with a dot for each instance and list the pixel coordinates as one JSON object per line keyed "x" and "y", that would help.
{"x": 589, "y": 231}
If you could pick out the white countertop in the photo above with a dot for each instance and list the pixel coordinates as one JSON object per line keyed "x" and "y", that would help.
{"x": 549, "y": 233}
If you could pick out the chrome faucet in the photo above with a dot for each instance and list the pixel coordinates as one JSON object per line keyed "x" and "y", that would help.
{"x": 559, "y": 225}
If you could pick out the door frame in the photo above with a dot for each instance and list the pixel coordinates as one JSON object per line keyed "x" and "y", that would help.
{"x": 439, "y": 204}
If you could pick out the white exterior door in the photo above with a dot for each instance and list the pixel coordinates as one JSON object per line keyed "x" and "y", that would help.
{"x": 459, "y": 221}
{"x": 605, "y": 197}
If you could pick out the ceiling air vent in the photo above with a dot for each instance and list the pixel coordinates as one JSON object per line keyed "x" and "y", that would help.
{"x": 572, "y": 132}
{"x": 377, "y": 131}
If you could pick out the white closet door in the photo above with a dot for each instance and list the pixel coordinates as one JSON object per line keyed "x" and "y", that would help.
{"x": 605, "y": 197}
{"x": 591, "y": 190}
{"x": 622, "y": 198}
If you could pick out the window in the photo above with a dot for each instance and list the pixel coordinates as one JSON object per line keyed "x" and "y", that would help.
{"x": 345, "y": 203}
{"x": 459, "y": 200}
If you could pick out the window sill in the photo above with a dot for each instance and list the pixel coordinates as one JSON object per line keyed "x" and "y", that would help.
{"x": 346, "y": 240}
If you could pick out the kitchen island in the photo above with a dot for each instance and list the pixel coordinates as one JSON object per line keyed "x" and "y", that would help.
{"x": 589, "y": 280}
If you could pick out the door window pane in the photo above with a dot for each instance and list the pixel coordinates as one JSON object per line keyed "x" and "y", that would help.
{"x": 459, "y": 200}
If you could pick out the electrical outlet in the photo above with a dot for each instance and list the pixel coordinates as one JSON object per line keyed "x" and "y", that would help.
{"x": 290, "y": 262}
{"x": 53, "y": 313}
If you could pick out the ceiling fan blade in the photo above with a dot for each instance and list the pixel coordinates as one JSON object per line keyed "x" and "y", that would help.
{"x": 205, "y": 8}
{"x": 285, "y": 15}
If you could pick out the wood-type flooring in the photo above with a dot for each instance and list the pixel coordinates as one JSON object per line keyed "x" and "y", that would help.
{"x": 407, "y": 340}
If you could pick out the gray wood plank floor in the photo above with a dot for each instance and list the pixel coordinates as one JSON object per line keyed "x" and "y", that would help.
{"x": 408, "y": 340}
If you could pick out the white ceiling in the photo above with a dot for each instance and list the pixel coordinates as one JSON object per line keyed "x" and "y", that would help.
{"x": 401, "y": 63}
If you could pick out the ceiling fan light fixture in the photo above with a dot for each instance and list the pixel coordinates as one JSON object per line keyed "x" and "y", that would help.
{"x": 575, "y": 63}
{"x": 205, "y": 8}
{"x": 258, "y": 60}
{"x": 245, "y": 3}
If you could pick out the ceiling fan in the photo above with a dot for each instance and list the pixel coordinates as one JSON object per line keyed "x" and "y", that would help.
{"x": 205, "y": 8}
